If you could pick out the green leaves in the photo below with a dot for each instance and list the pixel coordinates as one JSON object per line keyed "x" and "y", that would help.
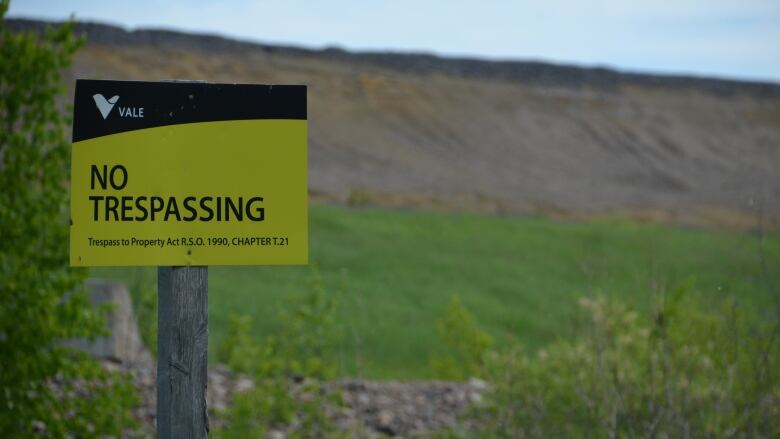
{"x": 44, "y": 388}
{"x": 289, "y": 370}
{"x": 685, "y": 369}
{"x": 467, "y": 344}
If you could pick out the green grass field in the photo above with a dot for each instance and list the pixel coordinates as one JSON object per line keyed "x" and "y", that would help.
{"x": 393, "y": 272}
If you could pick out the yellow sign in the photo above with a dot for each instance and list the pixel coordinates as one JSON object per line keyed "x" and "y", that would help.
{"x": 170, "y": 177}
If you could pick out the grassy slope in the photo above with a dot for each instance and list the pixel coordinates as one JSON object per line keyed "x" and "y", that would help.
{"x": 394, "y": 271}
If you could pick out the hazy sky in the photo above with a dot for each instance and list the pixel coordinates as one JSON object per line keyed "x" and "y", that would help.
{"x": 739, "y": 38}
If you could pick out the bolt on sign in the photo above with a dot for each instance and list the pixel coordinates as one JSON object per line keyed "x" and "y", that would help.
{"x": 188, "y": 173}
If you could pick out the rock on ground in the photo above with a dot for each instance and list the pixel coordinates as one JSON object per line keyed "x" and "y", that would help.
{"x": 395, "y": 409}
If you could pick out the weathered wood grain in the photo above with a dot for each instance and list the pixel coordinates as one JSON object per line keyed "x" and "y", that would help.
{"x": 182, "y": 347}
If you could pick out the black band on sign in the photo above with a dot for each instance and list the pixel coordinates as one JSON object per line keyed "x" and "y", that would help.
{"x": 101, "y": 107}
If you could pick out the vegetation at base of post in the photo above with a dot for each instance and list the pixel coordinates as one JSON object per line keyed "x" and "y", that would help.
{"x": 290, "y": 371}
{"x": 682, "y": 370}
{"x": 46, "y": 389}
{"x": 143, "y": 292}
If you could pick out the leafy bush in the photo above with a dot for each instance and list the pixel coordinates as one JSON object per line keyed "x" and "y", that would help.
{"x": 45, "y": 388}
{"x": 289, "y": 371}
{"x": 685, "y": 371}
{"x": 467, "y": 345}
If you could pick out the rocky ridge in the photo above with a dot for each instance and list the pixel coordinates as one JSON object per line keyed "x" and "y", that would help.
{"x": 532, "y": 72}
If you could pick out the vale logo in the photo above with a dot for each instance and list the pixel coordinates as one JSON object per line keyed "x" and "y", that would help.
{"x": 106, "y": 105}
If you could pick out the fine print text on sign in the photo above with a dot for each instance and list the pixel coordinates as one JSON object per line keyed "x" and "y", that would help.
{"x": 172, "y": 173}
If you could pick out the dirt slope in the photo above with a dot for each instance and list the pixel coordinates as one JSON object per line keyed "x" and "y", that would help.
{"x": 514, "y": 136}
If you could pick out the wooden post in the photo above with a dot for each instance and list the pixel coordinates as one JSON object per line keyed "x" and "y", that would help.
{"x": 182, "y": 352}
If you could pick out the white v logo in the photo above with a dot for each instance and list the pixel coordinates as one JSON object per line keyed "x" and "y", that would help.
{"x": 105, "y": 106}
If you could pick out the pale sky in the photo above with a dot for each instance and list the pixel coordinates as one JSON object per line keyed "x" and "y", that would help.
{"x": 732, "y": 39}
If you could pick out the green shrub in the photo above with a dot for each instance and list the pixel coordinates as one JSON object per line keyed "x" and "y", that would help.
{"x": 45, "y": 389}
{"x": 236, "y": 343}
{"x": 289, "y": 371}
{"x": 467, "y": 344}
{"x": 686, "y": 371}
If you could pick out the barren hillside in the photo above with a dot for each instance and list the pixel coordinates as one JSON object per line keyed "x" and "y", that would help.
{"x": 504, "y": 136}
